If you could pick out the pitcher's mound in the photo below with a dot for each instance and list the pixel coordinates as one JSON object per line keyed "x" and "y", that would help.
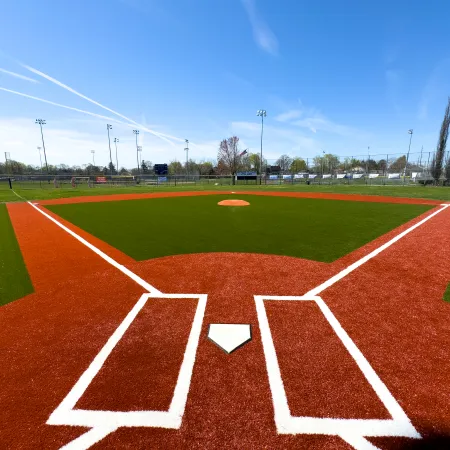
{"x": 233, "y": 203}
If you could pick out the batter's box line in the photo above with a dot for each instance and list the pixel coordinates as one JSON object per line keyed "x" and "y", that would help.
{"x": 103, "y": 423}
{"x": 353, "y": 431}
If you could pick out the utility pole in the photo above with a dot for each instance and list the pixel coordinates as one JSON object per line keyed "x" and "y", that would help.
{"x": 187, "y": 157}
{"x": 136, "y": 133}
{"x": 93, "y": 157}
{"x": 109, "y": 127}
{"x": 42, "y": 122}
{"x": 407, "y": 156}
{"x": 116, "y": 140}
{"x": 261, "y": 113}
{"x": 40, "y": 159}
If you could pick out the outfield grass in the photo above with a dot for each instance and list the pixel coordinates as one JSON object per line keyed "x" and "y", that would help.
{"x": 36, "y": 193}
{"x": 14, "y": 280}
{"x": 321, "y": 230}
{"x": 447, "y": 294}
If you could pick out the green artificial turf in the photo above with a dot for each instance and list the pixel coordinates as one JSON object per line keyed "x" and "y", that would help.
{"x": 14, "y": 280}
{"x": 447, "y": 294}
{"x": 43, "y": 191}
{"x": 321, "y": 230}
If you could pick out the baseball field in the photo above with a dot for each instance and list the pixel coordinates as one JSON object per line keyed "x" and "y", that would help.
{"x": 108, "y": 302}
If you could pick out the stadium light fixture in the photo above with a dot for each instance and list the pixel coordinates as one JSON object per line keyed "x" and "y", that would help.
{"x": 41, "y": 122}
{"x": 261, "y": 113}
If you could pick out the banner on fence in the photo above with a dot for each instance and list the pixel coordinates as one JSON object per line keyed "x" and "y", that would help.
{"x": 100, "y": 179}
{"x": 373, "y": 175}
{"x": 162, "y": 179}
{"x": 393, "y": 176}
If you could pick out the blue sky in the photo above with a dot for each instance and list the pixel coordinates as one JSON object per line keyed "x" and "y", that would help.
{"x": 338, "y": 76}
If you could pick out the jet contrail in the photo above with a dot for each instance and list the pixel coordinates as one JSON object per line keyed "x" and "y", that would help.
{"x": 111, "y": 119}
{"x": 17, "y": 75}
{"x": 68, "y": 88}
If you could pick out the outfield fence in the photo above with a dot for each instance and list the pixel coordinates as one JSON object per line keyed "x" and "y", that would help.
{"x": 210, "y": 181}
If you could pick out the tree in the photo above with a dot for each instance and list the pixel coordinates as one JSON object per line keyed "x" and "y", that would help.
{"x": 229, "y": 154}
{"x": 144, "y": 167}
{"x": 205, "y": 168}
{"x": 175, "y": 167}
{"x": 254, "y": 160}
{"x": 298, "y": 165}
{"x": 284, "y": 161}
{"x": 447, "y": 169}
{"x": 398, "y": 165}
{"x": 438, "y": 158}
{"x": 111, "y": 169}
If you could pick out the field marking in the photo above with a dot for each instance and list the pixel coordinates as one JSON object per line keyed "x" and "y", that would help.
{"x": 352, "y": 431}
{"x": 343, "y": 273}
{"x": 147, "y": 286}
{"x": 103, "y": 422}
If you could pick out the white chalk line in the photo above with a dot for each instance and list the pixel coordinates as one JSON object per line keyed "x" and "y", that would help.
{"x": 352, "y": 431}
{"x": 147, "y": 286}
{"x": 104, "y": 422}
{"x": 343, "y": 273}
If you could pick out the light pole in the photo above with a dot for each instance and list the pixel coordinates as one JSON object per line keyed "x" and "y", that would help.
{"x": 40, "y": 159}
{"x": 109, "y": 127}
{"x": 93, "y": 157}
{"x": 187, "y": 157}
{"x": 407, "y": 155}
{"x": 261, "y": 113}
{"x": 116, "y": 140}
{"x": 42, "y": 122}
{"x": 368, "y": 160}
{"x": 139, "y": 149}
{"x": 136, "y": 133}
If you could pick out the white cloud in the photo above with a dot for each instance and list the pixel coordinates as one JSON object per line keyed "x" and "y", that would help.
{"x": 263, "y": 35}
{"x": 314, "y": 121}
{"x": 17, "y": 75}
{"x": 289, "y": 115}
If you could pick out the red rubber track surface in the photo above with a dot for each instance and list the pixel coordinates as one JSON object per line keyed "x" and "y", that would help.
{"x": 391, "y": 307}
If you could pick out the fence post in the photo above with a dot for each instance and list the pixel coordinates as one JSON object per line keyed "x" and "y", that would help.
{"x": 10, "y": 184}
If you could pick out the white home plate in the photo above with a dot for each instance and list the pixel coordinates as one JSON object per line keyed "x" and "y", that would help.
{"x": 230, "y": 336}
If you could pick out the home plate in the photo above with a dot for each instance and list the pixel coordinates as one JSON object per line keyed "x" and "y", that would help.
{"x": 230, "y": 336}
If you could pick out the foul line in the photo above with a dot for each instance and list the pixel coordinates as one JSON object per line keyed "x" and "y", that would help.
{"x": 147, "y": 286}
{"x": 343, "y": 273}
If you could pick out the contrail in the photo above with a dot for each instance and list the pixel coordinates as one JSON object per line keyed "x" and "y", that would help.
{"x": 68, "y": 88}
{"x": 63, "y": 106}
{"x": 17, "y": 75}
{"x": 75, "y": 109}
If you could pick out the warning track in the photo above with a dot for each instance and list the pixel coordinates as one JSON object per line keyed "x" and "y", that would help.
{"x": 391, "y": 307}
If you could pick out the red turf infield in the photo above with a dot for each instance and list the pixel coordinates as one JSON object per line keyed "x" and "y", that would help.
{"x": 396, "y": 318}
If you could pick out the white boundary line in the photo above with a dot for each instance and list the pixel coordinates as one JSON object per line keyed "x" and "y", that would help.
{"x": 104, "y": 422}
{"x": 352, "y": 431}
{"x": 317, "y": 290}
{"x": 147, "y": 286}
